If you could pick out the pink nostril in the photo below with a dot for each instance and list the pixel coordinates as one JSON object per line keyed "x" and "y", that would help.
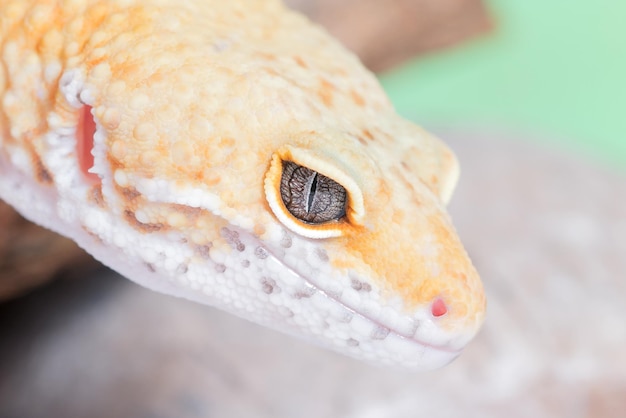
{"x": 438, "y": 308}
{"x": 84, "y": 143}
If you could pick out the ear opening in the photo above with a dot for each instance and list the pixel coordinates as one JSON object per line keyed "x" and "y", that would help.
{"x": 84, "y": 143}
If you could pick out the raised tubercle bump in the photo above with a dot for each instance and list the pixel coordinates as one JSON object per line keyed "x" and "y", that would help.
{"x": 84, "y": 143}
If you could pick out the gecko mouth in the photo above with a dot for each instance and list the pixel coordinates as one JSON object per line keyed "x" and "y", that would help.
{"x": 380, "y": 329}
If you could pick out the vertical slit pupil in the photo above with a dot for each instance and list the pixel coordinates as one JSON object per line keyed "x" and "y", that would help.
{"x": 310, "y": 196}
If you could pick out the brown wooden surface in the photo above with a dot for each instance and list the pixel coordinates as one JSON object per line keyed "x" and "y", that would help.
{"x": 31, "y": 255}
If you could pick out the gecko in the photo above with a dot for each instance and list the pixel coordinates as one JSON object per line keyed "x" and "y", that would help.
{"x": 236, "y": 155}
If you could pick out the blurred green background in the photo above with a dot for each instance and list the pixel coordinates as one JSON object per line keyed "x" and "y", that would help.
{"x": 556, "y": 69}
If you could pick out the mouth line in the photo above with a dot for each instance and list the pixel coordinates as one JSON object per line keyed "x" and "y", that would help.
{"x": 375, "y": 322}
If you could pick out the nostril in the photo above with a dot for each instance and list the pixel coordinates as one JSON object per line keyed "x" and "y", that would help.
{"x": 84, "y": 143}
{"x": 438, "y": 308}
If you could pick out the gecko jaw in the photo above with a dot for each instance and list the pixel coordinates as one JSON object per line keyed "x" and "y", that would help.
{"x": 443, "y": 352}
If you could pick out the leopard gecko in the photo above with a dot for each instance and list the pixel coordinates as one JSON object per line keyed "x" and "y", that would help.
{"x": 234, "y": 154}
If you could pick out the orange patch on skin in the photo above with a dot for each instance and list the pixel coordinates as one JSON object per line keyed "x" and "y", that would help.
{"x": 415, "y": 197}
{"x": 326, "y": 92}
{"x": 442, "y": 233}
{"x": 398, "y": 216}
{"x": 300, "y": 62}
{"x": 266, "y": 56}
{"x": 259, "y": 229}
{"x": 368, "y": 134}
{"x": 227, "y": 142}
{"x": 211, "y": 179}
{"x": 357, "y": 98}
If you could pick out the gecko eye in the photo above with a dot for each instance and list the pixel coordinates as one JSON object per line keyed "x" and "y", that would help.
{"x": 310, "y": 196}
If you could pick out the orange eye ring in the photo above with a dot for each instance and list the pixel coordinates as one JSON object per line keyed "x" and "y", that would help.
{"x": 335, "y": 226}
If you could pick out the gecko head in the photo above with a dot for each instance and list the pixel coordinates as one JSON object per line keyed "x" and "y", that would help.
{"x": 377, "y": 245}
{"x": 338, "y": 236}
{"x": 346, "y": 245}
{"x": 279, "y": 187}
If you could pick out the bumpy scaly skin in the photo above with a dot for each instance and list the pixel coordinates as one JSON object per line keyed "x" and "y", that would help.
{"x": 196, "y": 104}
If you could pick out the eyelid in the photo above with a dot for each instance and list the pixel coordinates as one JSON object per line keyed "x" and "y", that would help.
{"x": 354, "y": 208}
